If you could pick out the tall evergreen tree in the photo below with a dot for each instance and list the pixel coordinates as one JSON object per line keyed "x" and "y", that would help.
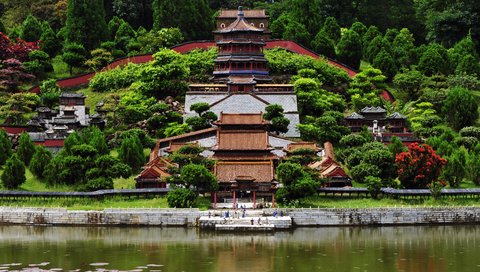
{"x": 50, "y": 42}
{"x": 191, "y": 16}
{"x": 403, "y": 48}
{"x": 323, "y": 45}
{"x": 40, "y": 160}
{"x": 371, "y": 33}
{"x": 86, "y": 23}
{"x": 31, "y": 29}
{"x": 469, "y": 65}
{"x": 25, "y": 149}
{"x": 349, "y": 49}
{"x": 74, "y": 55}
{"x": 5, "y": 147}
{"x": 385, "y": 62}
{"x": 131, "y": 153}
{"x": 332, "y": 29}
{"x": 14, "y": 173}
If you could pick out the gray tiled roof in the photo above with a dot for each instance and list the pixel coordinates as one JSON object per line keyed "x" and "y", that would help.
{"x": 373, "y": 110}
{"x": 396, "y": 115}
{"x": 72, "y": 95}
{"x": 355, "y": 116}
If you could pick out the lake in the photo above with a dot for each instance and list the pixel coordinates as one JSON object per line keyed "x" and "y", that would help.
{"x": 409, "y": 248}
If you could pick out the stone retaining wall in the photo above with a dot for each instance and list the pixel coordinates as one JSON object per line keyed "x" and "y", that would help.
{"x": 384, "y": 216}
{"x": 147, "y": 217}
{"x": 190, "y": 217}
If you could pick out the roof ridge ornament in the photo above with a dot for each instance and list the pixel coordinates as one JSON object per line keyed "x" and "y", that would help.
{"x": 240, "y": 12}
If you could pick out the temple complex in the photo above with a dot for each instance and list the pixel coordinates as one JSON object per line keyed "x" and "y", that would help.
{"x": 241, "y": 78}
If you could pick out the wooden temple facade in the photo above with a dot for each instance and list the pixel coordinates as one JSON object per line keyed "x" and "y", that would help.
{"x": 244, "y": 164}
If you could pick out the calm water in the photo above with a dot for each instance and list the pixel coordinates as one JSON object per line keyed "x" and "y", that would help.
{"x": 438, "y": 248}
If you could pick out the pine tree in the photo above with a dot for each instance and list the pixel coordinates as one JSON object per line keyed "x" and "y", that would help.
{"x": 385, "y": 62}
{"x": 97, "y": 140}
{"x": 332, "y": 29}
{"x": 40, "y": 160}
{"x": 5, "y": 147}
{"x": 86, "y": 23}
{"x": 468, "y": 65}
{"x": 31, "y": 29}
{"x": 349, "y": 49}
{"x": 25, "y": 149}
{"x": 50, "y": 42}
{"x": 14, "y": 173}
{"x": 73, "y": 55}
{"x": 360, "y": 28}
{"x": 296, "y": 32}
{"x": 403, "y": 48}
{"x": 131, "y": 153}
{"x": 323, "y": 45}
{"x": 368, "y": 37}
{"x": 431, "y": 62}
{"x": 124, "y": 35}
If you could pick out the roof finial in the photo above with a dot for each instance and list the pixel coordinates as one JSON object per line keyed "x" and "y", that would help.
{"x": 240, "y": 11}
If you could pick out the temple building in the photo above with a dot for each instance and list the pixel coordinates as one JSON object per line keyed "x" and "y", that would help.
{"x": 241, "y": 78}
{"x": 243, "y": 161}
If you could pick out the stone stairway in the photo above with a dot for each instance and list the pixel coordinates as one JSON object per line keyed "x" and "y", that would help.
{"x": 239, "y": 220}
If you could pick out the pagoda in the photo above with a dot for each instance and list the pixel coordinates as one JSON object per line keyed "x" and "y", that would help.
{"x": 240, "y": 62}
{"x": 241, "y": 81}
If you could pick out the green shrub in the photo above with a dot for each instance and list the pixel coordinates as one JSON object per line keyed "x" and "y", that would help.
{"x": 181, "y": 198}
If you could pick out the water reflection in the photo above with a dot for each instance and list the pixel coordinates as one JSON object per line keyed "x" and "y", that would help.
{"x": 437, "y": 248}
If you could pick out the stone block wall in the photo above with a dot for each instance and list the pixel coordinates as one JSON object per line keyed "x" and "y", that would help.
{"x": 383, "y": 216}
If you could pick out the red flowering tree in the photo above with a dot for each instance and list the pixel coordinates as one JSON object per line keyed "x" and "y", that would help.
{"x": 419, "y": 166}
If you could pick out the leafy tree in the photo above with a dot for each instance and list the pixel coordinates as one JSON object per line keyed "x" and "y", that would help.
{"x": 39, "y": 161}
{"x": 472, "y": 167}
{"x": 131, "y": 153}
{"x": 73, "y": 55}
{"x": 25, "y": 149}
{"x": 385, "y": 62}
{"x": 5, "y": 147}
{"x": 329, "y": 127}
{"x": 174, "y": 129}
{"x": 31, "y": 29}
{"x": 359, "y": 27}
{"x": 374, "y": 184}
{"x": 13, "y": 75}
{"x": 396, "y": 146}
{"x": 85, "y": 23}
{"x": 374, "y": 47}
{"x": 181, "y": 198}
{"x": 322, "y": 44}
{"x": 100, "y": 183}
{"x": 100, "y": 58}
{"x": 17, "y": 106}
{"x": 353, "y": 140}
{"x": 14, "y": 173}
{"x": 39, "y": 64}
{"x": 464, "y": 47}
{"x": 153, "y": 41}
{"x": 279, "y": 123}
{"x": 460, "y": 108}
{"x": 419, "y": 166}
{"x": 349, "y": 49}
{"x": 204, "y": 118}
{"x": 409, "y": 83}
{"x": 198, "y": 177}
{"x": 297, "y": 183}
{"x": 363, "y": 170}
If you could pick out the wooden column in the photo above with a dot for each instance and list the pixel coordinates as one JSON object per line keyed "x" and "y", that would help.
{"x": 254, "y": 199}
{"x": 273, "y": 200}
{"x": 234, "y": 200}
{"x": 214, "y": 200}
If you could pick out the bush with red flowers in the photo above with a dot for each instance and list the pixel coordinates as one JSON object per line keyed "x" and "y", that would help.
{"x": 419, "y": 166}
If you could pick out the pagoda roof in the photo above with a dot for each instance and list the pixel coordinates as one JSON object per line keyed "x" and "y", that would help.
{"x": 258, "y": 171}
{"x": 44, "y": 109}
{"x": 242, "y": 140}
{"x": 397, "y": 115}
{"x": 255, "y": 13}
{"x": 241, "y": 119}
{"x": 373, "y": 110}
{"x": 241, "y": 80}
{"x": 302, "y": 145}
{"x": 240, "y": 42}
{"x": 240, "y": 58}
{"x": 239, "y": 25}
{"x": 72, "y": 95}
{"x": 355, "y": 116}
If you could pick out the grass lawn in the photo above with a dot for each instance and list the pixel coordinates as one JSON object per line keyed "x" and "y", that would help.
{"x": 344, "y": 202}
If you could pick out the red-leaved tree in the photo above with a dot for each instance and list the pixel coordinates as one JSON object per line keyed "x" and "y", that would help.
{"x": 16, "y": 50}
{"x": 419, "y": 166}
